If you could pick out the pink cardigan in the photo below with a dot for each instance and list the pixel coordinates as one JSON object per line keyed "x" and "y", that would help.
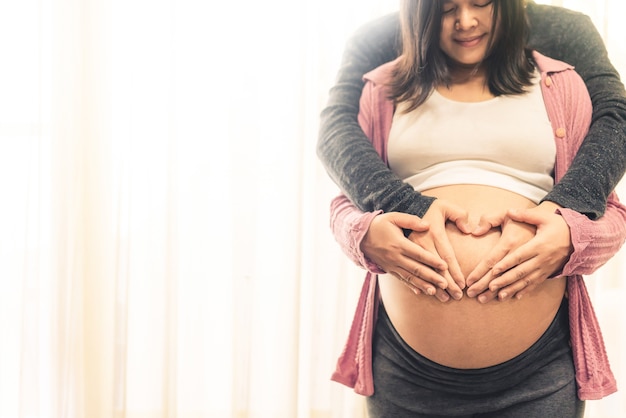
{"x": 595, "y": 242}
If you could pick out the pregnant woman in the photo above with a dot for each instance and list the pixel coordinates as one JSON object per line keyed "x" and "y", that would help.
{"x": 469, "y": 116}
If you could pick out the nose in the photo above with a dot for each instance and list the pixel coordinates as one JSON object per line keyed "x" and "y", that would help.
{"x": 465, "y": 19}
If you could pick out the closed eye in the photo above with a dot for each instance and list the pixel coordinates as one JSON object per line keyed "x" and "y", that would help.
{"x": 448, "y": 7}
{"x": 448, "y": 10}
{"x": 483, "y": 4}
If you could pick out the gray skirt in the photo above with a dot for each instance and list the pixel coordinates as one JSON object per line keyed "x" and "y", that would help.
{"x": 539, "y": 382}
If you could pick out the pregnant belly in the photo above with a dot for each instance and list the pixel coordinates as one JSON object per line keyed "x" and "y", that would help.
{"x": 468, "y": 334}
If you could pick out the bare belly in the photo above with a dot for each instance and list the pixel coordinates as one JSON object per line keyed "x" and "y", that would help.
{"x": 468, "y": 334}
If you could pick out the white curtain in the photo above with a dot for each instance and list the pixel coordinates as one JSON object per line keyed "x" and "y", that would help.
{"x": 164, "y": 243}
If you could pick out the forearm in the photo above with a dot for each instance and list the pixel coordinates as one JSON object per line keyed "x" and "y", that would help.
{"x": 347, "y": 154}
{"x": 345, "y": 151}
{"x": 599, "y": 164}
{"x": 601, "y": 160}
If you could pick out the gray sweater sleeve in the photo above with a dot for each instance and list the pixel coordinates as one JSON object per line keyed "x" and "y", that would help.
{"x": 601, "y": 160}
{"x": 348, "y": 156}
{"x": 354, "y": 165}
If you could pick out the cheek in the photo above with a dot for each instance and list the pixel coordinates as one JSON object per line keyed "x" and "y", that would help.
{"x": 445, "y": 38}
{"x": 447, "y": 27}
{"x": 447, "y": 30}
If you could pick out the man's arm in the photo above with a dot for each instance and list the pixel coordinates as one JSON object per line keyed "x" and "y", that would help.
{"x": 601, "y": 160}
{"x": 353, "y": 164}
{"x": 343, "y": 148}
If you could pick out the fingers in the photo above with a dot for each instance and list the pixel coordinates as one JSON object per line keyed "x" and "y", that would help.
{"x": 407, "y": 281}
{"x": 521, "y": 276}
{"x": 406, "y": 221}
{"x": 460, "y": 217}
{"x": 530, "y": 216}
{"x": 454, "y": 275}
{"x": 516, "y": 289}
{"x": 487, "y": 296}
{"x": 416, "y": 252}
{"x": 487, "y": 222}
{"x": 419, "y": 286}
{"x": 425, "y": 257}
{"x": 481, "y": 285}
{"x": 420, "y": 275}
{"x": 418, "y": 266}
{"x": 504, "y": 285}
{"x": 453, "y": 288}
{"x": 434, "y": 280}
{"x": 453, "y": 280}
{"x": 485, "y": 267}
{"x": 521, "y": 287}
{"x": 512, "y": 259}
{"x": 503, "y": 265}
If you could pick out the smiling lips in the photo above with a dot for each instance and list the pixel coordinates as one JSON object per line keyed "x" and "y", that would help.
{"x": 469, "y": 42}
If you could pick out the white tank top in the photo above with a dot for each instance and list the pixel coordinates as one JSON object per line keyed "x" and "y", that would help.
{"x": 505, "y": 142}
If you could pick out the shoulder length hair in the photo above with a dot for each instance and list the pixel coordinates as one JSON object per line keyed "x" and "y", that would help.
{"x": 422, "y": 65}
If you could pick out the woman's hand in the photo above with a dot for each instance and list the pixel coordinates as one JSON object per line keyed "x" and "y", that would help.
{"x": 436, "y": 241}
{"x": 521, "y": 260}
{"x": 420, "y": 269}
{"x": 482, "y": 281}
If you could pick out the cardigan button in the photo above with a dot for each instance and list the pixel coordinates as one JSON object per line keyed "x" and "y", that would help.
{"x": 548, "y": 82}
{"x": 560, "y": 132}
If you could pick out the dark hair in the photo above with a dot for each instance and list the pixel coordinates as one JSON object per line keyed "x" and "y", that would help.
{"x": 423, "y": 65}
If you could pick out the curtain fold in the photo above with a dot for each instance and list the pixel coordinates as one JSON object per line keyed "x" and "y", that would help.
{"x": 164, "y": 240}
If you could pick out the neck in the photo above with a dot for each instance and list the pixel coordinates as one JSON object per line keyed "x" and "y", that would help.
{"x": 463, "y": 74}
{"x": 467, "y": 84}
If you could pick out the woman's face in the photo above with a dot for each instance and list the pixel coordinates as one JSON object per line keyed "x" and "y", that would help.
{"x": 466, "y": 30}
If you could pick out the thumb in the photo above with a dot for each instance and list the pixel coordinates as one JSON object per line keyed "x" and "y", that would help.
{"x": 460, "y": 217}
{"x": 487, "y": 222}
{"x": 483, "y": 227}
{"x": 412, "y": 222}
{"x": 526, "y": 216}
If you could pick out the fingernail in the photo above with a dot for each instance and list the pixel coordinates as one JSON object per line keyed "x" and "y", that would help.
{"x": 431, "y": 291}
{"x": 482, "y": 298}
{"x": 503, "y": 295}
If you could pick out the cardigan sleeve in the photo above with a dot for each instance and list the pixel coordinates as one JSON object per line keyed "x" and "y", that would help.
{"x": 349, "y": 225}
{"x": 595, "y": 242}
